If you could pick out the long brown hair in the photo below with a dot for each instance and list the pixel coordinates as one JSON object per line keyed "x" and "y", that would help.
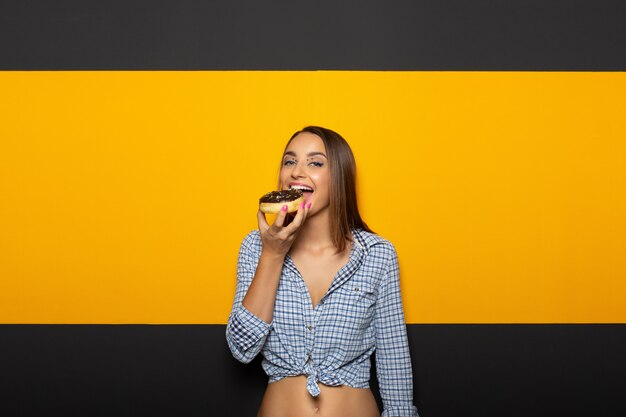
{"x": 344, "y": 210}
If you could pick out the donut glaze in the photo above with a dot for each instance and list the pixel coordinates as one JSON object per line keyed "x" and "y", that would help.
{"x": 273, "y": 201}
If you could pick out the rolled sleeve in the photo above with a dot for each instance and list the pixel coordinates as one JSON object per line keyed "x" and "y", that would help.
{"x": 246, "y": 329}
{"x": 245, "y": 332}
{"x": 393, "y": 360}
{"x": 400, "y": 411}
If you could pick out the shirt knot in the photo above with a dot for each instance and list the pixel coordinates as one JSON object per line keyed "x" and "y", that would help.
{"x": 311, "y": 384}
{"x": 314, "y": 376}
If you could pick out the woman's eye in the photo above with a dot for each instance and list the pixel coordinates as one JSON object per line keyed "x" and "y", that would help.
{"x": 292, "y": 162}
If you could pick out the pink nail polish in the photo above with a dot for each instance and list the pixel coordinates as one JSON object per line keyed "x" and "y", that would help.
{"x": 285, "y": 208}
{"x": 302, "y": 205}
{"x": 308, "y": 205}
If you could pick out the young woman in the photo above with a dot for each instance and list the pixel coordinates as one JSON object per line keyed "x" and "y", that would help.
{"x": 318, "y": 292}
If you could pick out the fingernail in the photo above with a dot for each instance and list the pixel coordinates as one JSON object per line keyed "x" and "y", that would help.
{"x": 285, "y": 207}
{"x": 308, "y": 205}
{"x": 302, "y": 205}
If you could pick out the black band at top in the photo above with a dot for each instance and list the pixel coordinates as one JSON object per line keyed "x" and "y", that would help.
{"x": 449, "y": 35}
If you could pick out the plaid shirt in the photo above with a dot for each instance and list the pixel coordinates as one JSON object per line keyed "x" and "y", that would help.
{"x": 331, "y": 343}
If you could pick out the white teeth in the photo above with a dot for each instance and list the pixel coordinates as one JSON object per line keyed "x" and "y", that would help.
{"x": 300, "y": 187}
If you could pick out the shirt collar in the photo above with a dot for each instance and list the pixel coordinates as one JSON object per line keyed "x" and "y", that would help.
{"x": 365, "y": 240}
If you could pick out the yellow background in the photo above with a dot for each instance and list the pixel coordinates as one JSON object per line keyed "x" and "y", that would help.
{"x": 124, "y": 195}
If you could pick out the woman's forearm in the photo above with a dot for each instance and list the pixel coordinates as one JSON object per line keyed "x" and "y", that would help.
{"x": 261, "y": 295}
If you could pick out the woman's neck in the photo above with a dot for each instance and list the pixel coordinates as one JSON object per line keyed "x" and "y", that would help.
{"x": 314, "y": 235}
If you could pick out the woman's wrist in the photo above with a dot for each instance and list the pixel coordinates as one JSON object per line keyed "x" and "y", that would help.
{"x": 272, "y": 257}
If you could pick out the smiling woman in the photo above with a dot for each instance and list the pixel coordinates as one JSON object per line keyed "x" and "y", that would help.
{"x": 328, "y": 160}
{"x": 318, "y": 292}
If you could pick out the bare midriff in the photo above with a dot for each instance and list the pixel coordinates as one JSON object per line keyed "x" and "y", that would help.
{"x": 290, "y": 398}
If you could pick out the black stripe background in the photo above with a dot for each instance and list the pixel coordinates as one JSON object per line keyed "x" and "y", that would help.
{"x": 186, "y": 370}
{"x": 448, "y": 35}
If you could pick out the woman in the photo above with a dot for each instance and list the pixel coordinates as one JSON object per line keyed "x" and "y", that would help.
{"x": 318, "y": 292}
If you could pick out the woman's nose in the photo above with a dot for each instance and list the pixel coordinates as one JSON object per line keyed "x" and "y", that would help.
{"x": 297, "y": 171}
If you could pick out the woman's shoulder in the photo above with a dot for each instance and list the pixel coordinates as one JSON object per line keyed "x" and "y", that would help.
{"x": 252, "y": 240}
{"x": 373, "y": 242}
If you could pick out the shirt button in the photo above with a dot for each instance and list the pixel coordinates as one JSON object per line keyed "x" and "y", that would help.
{"x": 309, "y": 327}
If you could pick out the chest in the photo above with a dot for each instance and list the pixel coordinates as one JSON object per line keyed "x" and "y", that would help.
{"x": 318, "y": 271}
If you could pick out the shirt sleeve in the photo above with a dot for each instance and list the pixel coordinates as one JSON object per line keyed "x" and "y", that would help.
{"x": 245, "y": 332}
{"x": 393, "y": 360}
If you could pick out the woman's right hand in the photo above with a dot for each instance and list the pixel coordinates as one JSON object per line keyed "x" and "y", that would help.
{"x": 277, "y": 240}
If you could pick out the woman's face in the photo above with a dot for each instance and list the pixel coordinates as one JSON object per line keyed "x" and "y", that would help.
{"x": 305, "y": 163}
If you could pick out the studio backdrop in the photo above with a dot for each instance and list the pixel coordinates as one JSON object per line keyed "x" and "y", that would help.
{"x": 136, "y": 138}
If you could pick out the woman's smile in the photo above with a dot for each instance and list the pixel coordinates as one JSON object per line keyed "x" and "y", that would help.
{"x": 307, "y": 190}
{"x": 305, "y": 167}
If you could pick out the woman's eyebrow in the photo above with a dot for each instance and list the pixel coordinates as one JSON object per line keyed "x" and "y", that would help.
{"x": 291, "y": 153}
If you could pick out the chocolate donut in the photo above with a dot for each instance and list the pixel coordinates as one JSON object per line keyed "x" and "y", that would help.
{"x": 273, "y": 201}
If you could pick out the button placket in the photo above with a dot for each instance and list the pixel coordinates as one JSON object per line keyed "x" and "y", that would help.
{"x": 311, "y": 323}
{"x": 309, "y": 339}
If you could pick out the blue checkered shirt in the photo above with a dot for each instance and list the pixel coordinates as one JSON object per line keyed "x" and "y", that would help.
{"x": 331, "y": 343}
